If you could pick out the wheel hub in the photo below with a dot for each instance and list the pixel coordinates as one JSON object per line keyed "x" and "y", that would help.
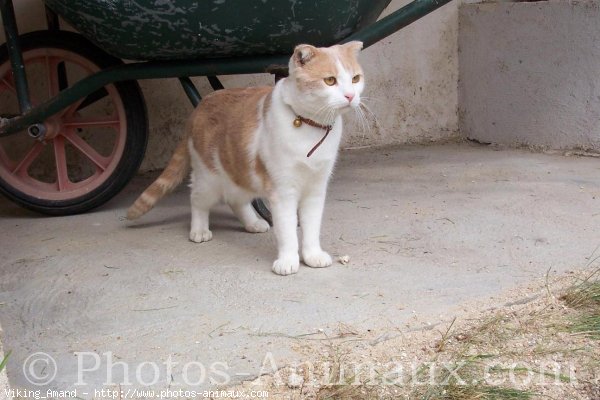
{"x": 47, "y": 130}
{"x": 53, "y": 127}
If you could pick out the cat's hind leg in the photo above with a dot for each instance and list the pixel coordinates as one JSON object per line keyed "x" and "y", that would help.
{"x": 201, "y": 201}
{"x": 205, "y": 194}
{"x": 247, "y": 216}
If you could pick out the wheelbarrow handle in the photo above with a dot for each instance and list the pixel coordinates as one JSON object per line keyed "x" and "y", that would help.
{"x": 395, "y": 21}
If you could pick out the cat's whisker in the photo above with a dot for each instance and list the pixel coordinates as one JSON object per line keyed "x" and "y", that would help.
{"x": 321, "y": 110}
{"x": 332, "y": 114}
{"x": 365, "y": 126}
{"x": 358, "y": 118}
{"x": 369, "y": 114}
{"x": 363, "y": 121}
{"x": 329, "y": 113}
{"x": 367, "y": 98}
{"x": 326, "y": 112}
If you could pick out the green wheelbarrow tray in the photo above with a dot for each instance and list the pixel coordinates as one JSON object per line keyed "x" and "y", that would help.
{"x": 185, "y": 29}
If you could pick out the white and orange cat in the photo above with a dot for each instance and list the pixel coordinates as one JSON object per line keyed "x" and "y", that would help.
{"x": 254, "y": 142}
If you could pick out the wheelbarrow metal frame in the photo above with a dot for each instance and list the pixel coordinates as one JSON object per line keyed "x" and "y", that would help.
{"x": 171, "y": 69}
{"x": 92, "y": 86}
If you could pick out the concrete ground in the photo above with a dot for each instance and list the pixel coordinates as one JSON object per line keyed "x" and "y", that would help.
{"x": 426, "y": 229}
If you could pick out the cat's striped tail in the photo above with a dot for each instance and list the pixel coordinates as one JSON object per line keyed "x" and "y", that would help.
{"x": 176, "y": 170}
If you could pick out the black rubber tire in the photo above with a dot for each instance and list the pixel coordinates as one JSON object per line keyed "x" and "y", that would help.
{"x": 136, "y": 120}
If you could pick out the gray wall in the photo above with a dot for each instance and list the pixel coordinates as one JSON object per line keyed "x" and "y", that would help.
{"x": 530, "y": 74}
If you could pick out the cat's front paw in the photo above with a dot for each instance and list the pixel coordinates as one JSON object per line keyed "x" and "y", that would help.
{"x": 316, "y": 259}
{"x": 200, "y": 236}
{"x": 286, "y": 265}
{"x": 259, "y": 226}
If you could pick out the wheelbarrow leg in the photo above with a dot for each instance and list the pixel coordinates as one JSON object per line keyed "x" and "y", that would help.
{"x": 53, "y": 23}
{"x": 190, "y": 90}
{"x": 194, "y": 96}
{"x": 54, "y": 26}
{"x": 52, "y": 19}
{"x": 215, "y": 83}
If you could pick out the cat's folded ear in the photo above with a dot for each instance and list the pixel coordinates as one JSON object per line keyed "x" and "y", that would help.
{"x": 355, "y": 46}
{"x": 303, "y": 53}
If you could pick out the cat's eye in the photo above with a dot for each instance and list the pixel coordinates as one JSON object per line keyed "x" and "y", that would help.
{"x": 356, "y": 79}
{"x": 330, "y": 81}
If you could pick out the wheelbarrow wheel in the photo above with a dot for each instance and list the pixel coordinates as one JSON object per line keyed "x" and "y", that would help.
{"x": 91, "y": 149}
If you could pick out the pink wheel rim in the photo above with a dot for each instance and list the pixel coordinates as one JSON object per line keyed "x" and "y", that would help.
{"x": 65, "y": 127}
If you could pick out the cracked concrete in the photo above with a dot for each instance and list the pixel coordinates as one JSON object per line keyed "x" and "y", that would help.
{"x": 426, "y": 229}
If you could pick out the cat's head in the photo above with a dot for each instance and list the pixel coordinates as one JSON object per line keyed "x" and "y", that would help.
{"x": 329, "y": 78}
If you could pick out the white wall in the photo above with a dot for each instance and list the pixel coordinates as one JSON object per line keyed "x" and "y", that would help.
{"x": 411, "y": 86}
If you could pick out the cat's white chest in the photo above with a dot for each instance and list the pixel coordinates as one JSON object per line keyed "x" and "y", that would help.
{"x": 309, "y": 155}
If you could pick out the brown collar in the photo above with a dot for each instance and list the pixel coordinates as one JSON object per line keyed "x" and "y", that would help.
{"x": 327, "y": 128}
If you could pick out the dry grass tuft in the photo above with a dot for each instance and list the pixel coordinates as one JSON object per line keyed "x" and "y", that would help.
{"x": 585, "y": 297}
{"x": 584, "y": 294}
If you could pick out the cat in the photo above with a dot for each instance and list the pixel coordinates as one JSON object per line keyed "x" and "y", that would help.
{"x": 278, "y": 143}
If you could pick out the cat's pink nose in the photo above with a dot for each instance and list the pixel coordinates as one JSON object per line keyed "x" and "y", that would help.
{"x": 349, "y": 96}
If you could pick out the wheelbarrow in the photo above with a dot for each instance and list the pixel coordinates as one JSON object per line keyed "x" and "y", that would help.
{"x": 68, "y": 100}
